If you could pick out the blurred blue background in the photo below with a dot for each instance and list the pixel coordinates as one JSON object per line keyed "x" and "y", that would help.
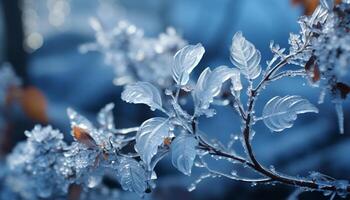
{"x": 54, "y": 29}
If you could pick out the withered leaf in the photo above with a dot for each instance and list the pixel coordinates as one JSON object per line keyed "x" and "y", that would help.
{"x": 34, "y": 104}
{"x": 167, "y": 141}
{"x": 312, "y": 69}
{"x": 82, "y": 136}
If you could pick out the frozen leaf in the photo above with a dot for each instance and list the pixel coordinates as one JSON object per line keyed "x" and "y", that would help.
{"x": 183, "y": 150}
{"x": 150, "y": 136}
{"x": 82, "y": 136}
{"x": 280, "y": 112}
{"x": 105, "y": 117}
{"x": 143, "y": 92}
{"x": 132, "y": 176}
{"x": 209, "y": 84}
{"x": 245, "y": 56}
{"x": 185, "y": 60}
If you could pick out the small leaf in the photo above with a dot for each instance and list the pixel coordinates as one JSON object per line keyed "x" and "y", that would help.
{"x": 150, "y": 136}
{"x": 183, "y": 150}
{"x": 132, "y": 176}
{"x": 143, "y": 92}
{"x": 82, "y": 136}
{"x": 185, "y": 60}
{"x": 245, "y": 56}
{"x": 209, "y": 84}
{"x": 312, "y": 69}
{"x": 280, "y": 112}
{"x": 105, "y": 117}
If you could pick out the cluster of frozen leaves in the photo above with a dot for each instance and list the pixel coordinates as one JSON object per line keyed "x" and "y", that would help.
{"x": 133, "y": 56}
{"x": 44, "y": 166}
{"x": 326, "y": 57}
{"x": 176, "y": 131}
{"x": 148, "y": 65}
{"x": 332, "y": 55}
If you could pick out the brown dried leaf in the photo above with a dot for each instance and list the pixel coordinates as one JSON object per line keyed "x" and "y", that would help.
{"x": 82, "y": 136}
{"x": 312, "y": 69}
{"x": 34, "y": 104}
{"x": 167, "y": 141}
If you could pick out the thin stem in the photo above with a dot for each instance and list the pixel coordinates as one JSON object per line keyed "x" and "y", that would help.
{"x": 124, "y": 131}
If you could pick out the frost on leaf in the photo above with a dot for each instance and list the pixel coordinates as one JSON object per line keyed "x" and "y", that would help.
{"x": 143, "y": 92}
{"x": 209, "y": 84}
{"x": 105, "y": 117}
{"x": 185, "y": 60}
{"x": 132, "y": 176}
{"x": 245, "y": 56}
{"x": 150, "y": 136}
{"x": 78, "y": 120}
{"x": 183, "y": 150}
{"x": 280, "y": 112}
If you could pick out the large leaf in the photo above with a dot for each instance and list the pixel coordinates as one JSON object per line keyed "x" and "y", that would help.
{"x": 183, "y": 150}
{"x": 209, "y": 84}
{"x": 245, "y": 56}
{"x": 132, "y": 176}
{"x": 280, "y": 112}
{"x": 185, "y": 60}
{"x": 105, "y": 117}
{"x": 143, "y": 92}
{"x": 150, "y": 136}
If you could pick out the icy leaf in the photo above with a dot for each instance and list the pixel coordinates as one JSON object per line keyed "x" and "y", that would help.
{"x": 105, "y": 117}
{"x": 280, "y": 112}
{"x": 183, "y": 150}
{"x": 132, "y": 176}
{"x": 82, "y": 136}
{"x": 245, "y": 56}
{"x": 150, "y": 136}
{"x": 185, "y": 60}
{"x": 143, "y": 92}
{"x": 209, "y": 85}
